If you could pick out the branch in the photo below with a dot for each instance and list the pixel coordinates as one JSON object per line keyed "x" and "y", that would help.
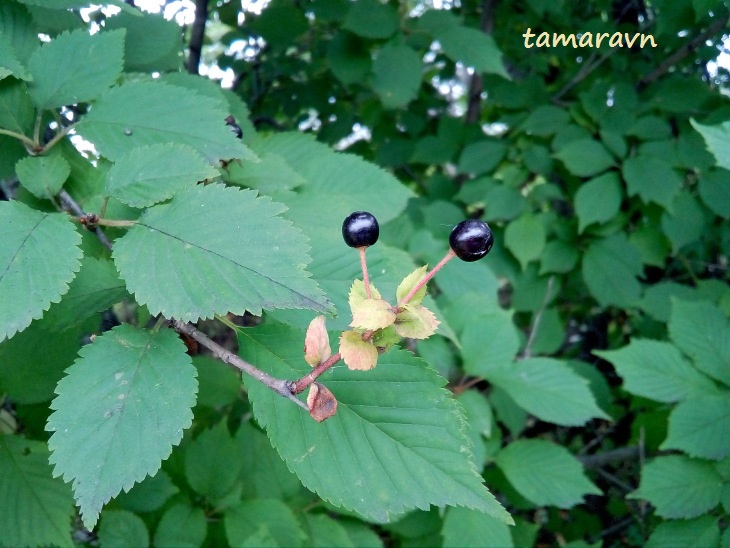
{"x": 196, "y": 35}
{"x": 588, "y": 67}
{"x": 476, "y": 86}
{"x": 70, "y": 205}
{"x": 682, "y": 52}
{"x": 295, "y": 387}
{"x": 279, "y": 386}
{"x": 601, "y": 459}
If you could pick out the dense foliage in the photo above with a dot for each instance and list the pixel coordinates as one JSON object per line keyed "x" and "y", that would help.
{"x": 577, "y": 390}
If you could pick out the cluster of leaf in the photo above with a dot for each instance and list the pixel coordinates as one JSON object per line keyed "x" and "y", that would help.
{"x": 597, "y": 326}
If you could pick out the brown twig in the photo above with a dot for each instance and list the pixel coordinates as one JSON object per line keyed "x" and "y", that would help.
{"x": 601, "y": 459}
{"x": 197, "y": 34}
{"x": 279, "y": 386}
{"x": 682, "y": 52}
{"x": 70, "y": 205}
{"x": 295, "y": 387}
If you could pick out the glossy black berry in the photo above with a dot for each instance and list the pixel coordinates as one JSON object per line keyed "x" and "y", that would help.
{"x": 471, "y": 240}
{"x": 360, "y": 229}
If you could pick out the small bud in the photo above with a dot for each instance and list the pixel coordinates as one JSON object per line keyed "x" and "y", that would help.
{"x": 321, "y": 402}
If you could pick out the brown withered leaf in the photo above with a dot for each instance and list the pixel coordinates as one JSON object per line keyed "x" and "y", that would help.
{"x": 321, "y": 402}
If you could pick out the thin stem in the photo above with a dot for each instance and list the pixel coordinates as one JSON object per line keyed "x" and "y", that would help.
{"x": 70, "y": 205}
{"x": 299, "y": 385}
{"x": 37, "y": 128}
{"x": 279, "y": 386}
{"x": 27, "y": 141}
{"x": 56, "y": 138}
{"x": 120, "y": 223}
{"x": 104, "y": 202}
{"x": 527, "y": 352}
{"x": 689, "y": 268}
{"x": 225, "y": 321}
{"x": 450, "y": 255}
{"x": 364, "y": 266}
{"x": 159, "y": 323}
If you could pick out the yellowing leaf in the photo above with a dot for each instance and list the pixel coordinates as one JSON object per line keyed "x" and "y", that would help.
{"x": 416, "y": 322}
{"x": 317, "y": 342}
{"x": 357, "y": 354}
{"x": 358, "y": 295}
{"x": 409, "y": 282}
{"x": 372, "y": 314}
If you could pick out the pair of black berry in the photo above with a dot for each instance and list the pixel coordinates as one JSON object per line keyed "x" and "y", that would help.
{"x": 470, "y": 240}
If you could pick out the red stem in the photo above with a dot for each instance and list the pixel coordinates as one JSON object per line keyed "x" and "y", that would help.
{"x": 298, "y": 386}
{"x": 450, "y": 255}
{"x": 364, "y": 266}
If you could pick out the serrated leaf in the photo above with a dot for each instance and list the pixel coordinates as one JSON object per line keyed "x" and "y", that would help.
{"x": 269, "y": 175}
{"x": 702, "y": 332}
{"x": 686, "y": 223}
{"x": 482, "y": 354}
{"x": 358, "y": 295}
{"x": 585, "y": 157}
{"x": 716, "y": 138}
{"x": 9, "y": 62}
{"x": 408, "y": 283}
{"x": 598, "y": 200}
{"x": 482, "y": 157}
{"x": 119, "y": 411}
{"x": 317, "y": 342}
{"x": 657, "y": 370}
{"x": 397, "y": 75}
{"x": 465, "y": 528}
{"x": 212, "y": 464}
{"x": 151, "y": 174}
{"x": 39, "y": 254}
{"x": 714, "y": 187}
{"x": 356, "y": 353}
{"x": 37, "y": 508}
{"x": 323, "y": 531}
{"x": 679, "y": 487}
{"x": 123, "y": 528}
{"x": 371, "y": 19}
{"x": 396, "y": 442}
{"x": 545, "y": 473}
{"x": 181, "y": 526}
{"x": 227, "y": 251}
{"x": 245, "y": 519}
{"x": 699, "y": 427}
{"x": 696, "y": 533}
{"x": 75, "y": 67}
{"x": 43, "y": 176}
{"x": 652, "y": 179}
{"x": 219, "y": 384}
{"x": 610, "y": 266}
{"x": 136, "y": 114}
{"x": 471, "y": 47}
{"x": 95, "y": 288}
{"x": 149, "y": 495}
{"x": 548, "y": 389}
{"x": 16, "y": 108}
{"x": 416, "y": 322}
{"x": 152, "y": 42}
{"x": 372, "y": 314}
{"x": 525, "y": 238}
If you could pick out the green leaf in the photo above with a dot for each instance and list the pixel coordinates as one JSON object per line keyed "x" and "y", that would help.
{"x": 396, "y": 442}
{"x": 95, "y": 288}
{"x": 349, "y": 58}
{"x": 545, "y": 473}
{"x": 481, "y": 157}
{"x": 652, "y": 179}
{"x": 149, "y": 495}
{"x": 545, "y": 120}
{"x": 548, "y": 389}
{"x": 687, "y": 222}
{"x": 136, "y": 114}
{"x": 245, "y": 520}
{"x": 16, "y": 108}
{"x": 558, "y": 256}
{"x": 75, "y": 67}
{"x": 714, "y": 187}
{"x": 39, "y": 254}
{"x": 269, "y": 175}
{"x": 679, "y": 487}
{"x": 227, "y": 251}
{"x": 396, "y": 75}
{"x": 470, "y": 47}
{"x": 525, "y": 238}
{"x": 598, "y": 200}
{"x": 181, "y": 526}
{"x": 716, "y": 138}
{"x": 152, "y": 43}
{"x": 219, "y": 384}
{"x": 18, "y": 28}
{"x": 212, "y": 463}
{"x": 503, "y": 203}
{"x": 43, "y": 176}
{"x": 478, "y": 412}
{"x": 657, "y": 299}
{"x": 9, "y": 62}
{"x": 702, "y": 332}
{"x": 481, "y": 354}
{"x": 147, "y": 175}
{"x": 408, "y": 283}
{"x": 696, "y": 533}
{"x": 119, "y": 411}
{"x": 371, "y": 19}
{"x": 465, "y": 528}
{"x": 610, "y": 266}
{"x": 657, "y": 370}
{"x": 37, "y": 508}
{"x": 120, "y": 528}
{"x": 280, "y": 24}
{"x": 699, "y": 427}
{"x": 585, "y": 157}
{"x": 325, "y": 532}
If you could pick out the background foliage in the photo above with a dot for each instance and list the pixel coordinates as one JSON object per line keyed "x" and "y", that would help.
{"x": 588, "y": 355}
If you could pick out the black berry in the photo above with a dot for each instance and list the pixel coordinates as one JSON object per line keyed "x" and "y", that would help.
{"x": 471, "y": 240}
{"x": 360, "y": 229}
